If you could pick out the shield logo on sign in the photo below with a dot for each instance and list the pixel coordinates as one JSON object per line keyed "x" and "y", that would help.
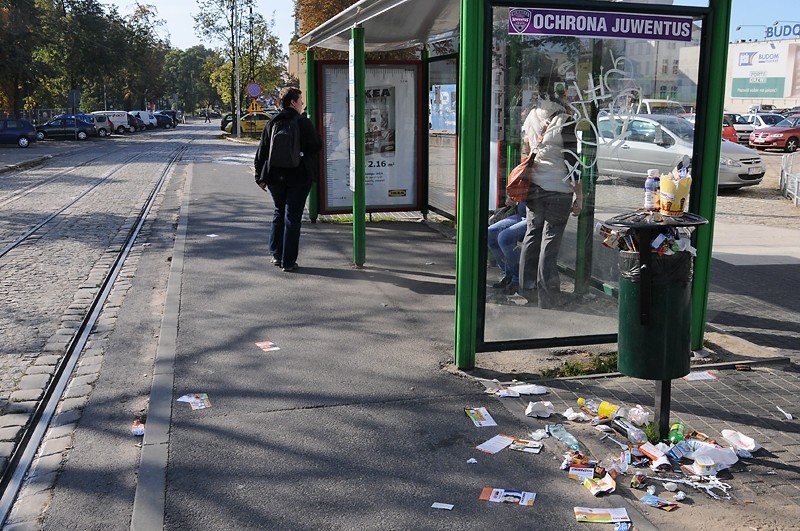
{"x": 519, "y": 19}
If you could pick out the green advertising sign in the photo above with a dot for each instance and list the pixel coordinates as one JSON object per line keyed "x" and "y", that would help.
{"x": 758, "y": 87}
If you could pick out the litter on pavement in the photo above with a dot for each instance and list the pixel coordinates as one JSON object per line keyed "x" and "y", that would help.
{"x": 517, "y": 497}
{"x": 601, "y": 516}
{"x": 445, "y": 506}
{"x": 267, "y": 346}
{"x": 480, "y": 416}
{"x": 196, "y": 400}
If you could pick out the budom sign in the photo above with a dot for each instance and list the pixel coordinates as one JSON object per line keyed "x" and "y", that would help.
{"x": 598, "y": 24}
{"x": 784, "y": 31}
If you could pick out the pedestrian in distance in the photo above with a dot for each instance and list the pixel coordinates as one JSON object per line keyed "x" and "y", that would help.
{"x": 208, "y": 116}
{"x": 286, "y": 166}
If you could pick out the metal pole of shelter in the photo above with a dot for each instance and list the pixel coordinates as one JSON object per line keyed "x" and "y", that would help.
{"x": 470, "y": 165}
{"x": 425, "y": 150}
{"x": 357, "y": 147}
{"x": 709, "y": 172}
{"x": 311, "y": 111}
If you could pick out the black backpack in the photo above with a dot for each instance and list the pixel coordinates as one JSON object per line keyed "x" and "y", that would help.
{"x": 284, "y": 150}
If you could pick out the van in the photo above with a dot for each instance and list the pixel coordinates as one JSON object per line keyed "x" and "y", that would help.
{"x": 147, "y": 117}
{"x": 118, "y": 118}
{"x": 651, "y": 106}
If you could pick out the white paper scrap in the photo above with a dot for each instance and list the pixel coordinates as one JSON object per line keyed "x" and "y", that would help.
{"x": 700, "y": 375}
{"x": 212, "y": 235}
{"x": 445, "y": 506}
{"x": 495, "y": 444}
{"x": 528, "y": 389}
{"x": 472, "y": 461}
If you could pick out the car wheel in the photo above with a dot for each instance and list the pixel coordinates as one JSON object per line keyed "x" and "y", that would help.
{"x": 39, "y": 135}
{"x": 167, "y": 126}
{"x": 81, "y": 135}
{"x": 102, "y": 133}
{"x": 120, "y": 130}
{"x": 791, "y": 145}
{"x": 23, "y": 142}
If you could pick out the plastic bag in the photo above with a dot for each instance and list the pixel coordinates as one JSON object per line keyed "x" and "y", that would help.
{"x": 639, "y": 415}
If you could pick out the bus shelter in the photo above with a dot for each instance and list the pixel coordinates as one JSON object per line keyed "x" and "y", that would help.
{"x": 606, "y": 63}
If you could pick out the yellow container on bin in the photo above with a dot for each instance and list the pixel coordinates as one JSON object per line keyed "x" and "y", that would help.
{"x": 674, "y": 195}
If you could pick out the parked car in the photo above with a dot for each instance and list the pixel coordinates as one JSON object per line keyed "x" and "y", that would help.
{"x": 66, "y": 127}
{"x": 652, "y": 106}
{"x": 119, "y": 119}
{"x": 147, "y": 117}
{"x": 99, "y": 122}
{"x": 629, "y": 147}
{"x": 760, "y": 108}
{"x": 762, "y": 119}
{"x": 172, "y": 114}
{"x": 163, "y": 120}
{"x": 783, "y": 135}
{"x": 742, "y": 126}
{"x": 136, "y": 123}
{"x": 729, "y": 131}
{"x": 19, "y": 132}
{"x": 252, "y": 122}
{"x": 226, "y": 120}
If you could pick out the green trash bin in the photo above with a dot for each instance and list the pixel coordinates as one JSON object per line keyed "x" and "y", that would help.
{"x": 655, "y": 298}
{"x": 659, "y": 349}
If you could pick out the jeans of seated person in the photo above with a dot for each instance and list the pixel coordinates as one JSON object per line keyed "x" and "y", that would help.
{"x": 284, "y": 237}
{"x": 504, "y": 237}
{"x": 547, "y": 216}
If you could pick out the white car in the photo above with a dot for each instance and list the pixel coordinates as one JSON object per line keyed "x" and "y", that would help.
{"x": 761, "y": 120}
{"x": 629, "y": 146}
{"x": 147, "y": 117}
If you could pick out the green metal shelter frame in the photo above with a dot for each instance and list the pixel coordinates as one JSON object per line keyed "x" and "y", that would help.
{"x": 383, "y": 31}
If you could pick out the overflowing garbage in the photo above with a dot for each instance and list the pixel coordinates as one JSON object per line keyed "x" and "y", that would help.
{"x": 659, "y": 469}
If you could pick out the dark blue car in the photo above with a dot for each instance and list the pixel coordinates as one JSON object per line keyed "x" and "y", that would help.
{"x": 19, "y": 132}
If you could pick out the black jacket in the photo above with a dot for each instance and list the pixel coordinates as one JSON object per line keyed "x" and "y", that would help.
{"x": 310, "y": 145}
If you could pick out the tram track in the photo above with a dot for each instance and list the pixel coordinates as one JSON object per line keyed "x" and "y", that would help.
{"x": 13, "y": 475}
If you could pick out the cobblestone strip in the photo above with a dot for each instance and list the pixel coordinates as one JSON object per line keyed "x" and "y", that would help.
{"x": 37, "y": 489}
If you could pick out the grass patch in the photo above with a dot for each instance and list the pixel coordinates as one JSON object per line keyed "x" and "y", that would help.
{"x": 597, "y": 364}
{"x": 651, "y": 430}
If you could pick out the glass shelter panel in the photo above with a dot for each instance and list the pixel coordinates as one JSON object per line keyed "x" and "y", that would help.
{"x": 588, "y": 93}
{"x": 442, "y": 110}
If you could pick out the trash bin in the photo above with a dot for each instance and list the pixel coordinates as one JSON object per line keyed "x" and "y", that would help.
{"x": 655, "y": 299}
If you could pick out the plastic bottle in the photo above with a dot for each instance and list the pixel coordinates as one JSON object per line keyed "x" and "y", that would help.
{"x": 626, "y": 428}
{"x": 677, "y": 432}
{"x": 601, "y": 408}
{"x": 559, "y": 432}
{"x": 651, "y": 187}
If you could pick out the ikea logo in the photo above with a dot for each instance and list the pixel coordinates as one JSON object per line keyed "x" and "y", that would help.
{"x": 397, "y": 193}
{"x": 746, "y": 58}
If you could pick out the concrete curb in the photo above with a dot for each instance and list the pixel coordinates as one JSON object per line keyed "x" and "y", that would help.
{"x": 26, "y": 164}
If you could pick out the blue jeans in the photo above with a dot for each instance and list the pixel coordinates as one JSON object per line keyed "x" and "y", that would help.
{"x": 284, "y": 238}
{"x": 547, "y": 216}
{"x": 503, "y": 239}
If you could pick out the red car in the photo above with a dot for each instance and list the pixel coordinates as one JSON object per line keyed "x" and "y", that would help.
{"x": 728, "y": 131}
{"x": 784, "y": 135}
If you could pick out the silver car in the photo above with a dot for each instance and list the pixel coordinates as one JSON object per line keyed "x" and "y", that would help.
{"x": 629, "y": 145}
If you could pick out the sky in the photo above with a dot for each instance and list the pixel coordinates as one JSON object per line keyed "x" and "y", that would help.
{"x": 752, "y": 15}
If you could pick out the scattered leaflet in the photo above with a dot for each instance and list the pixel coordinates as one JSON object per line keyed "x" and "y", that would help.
{"x": 517, "y": 497}
{"x": 480, "y": 416}
{"x": 601, "y": 516}
{"x": 495, "y": 444}
{"x": 528, "y": 389}
{"x": 581, "y": 473}
{"x": 700, "y": 375}
{"x": 445, "y": 506}
{"x": 267, "y": 346}
{"x": 598, "y": 486}
{"x": 502, "y": 393}
{"x": 524, "y": 445}
{"x": 660, "y": 503}
{"x": 196, "y": 400}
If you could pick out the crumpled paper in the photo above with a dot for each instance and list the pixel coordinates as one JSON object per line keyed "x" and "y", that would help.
{"x": 541, "y": 409}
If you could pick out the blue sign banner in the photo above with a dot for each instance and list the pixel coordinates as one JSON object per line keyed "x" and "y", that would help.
{"x": 599, "y": 24}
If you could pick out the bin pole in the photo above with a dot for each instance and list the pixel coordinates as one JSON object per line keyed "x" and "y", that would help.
{"x": 471, "y": 87}
{"x": 311, "y": 104}
{"x": 663, "y": 398}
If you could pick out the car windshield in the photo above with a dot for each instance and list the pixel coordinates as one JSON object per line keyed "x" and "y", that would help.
{"x": 680, "y": 127}
{"x": 771, "y": 119}
{"x": 793, "y": 121}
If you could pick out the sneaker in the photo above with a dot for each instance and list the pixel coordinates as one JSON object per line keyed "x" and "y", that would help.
{"x": 290, "y": 268}
{"x": 505, "y": 281}
{"x": 276, "y": 261}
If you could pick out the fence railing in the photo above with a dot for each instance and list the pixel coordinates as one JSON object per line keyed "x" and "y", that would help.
{"x": 790, "y": 178}
{"x": 37, "y": 116}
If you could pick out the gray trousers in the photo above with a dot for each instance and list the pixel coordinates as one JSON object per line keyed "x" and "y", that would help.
{"x": 547, "y": 216}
